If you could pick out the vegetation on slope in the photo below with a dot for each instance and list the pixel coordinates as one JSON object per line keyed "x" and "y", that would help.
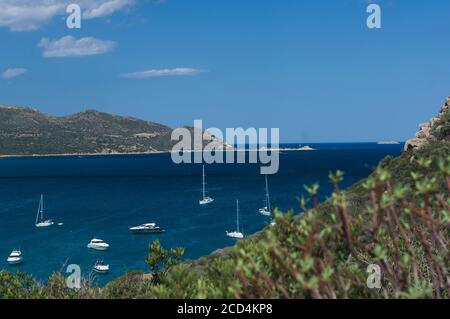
{"x": 26, "y": 131}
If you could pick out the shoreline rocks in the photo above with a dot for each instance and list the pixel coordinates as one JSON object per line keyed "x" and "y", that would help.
{"x": 424, "y": 136}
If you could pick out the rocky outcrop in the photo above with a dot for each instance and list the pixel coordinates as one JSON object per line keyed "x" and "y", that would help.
{"x": 424, "y": 136}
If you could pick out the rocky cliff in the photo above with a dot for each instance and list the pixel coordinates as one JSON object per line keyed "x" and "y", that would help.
{"x": 433, "y": 130}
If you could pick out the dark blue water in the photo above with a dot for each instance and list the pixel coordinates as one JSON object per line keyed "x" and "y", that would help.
{"x": 103, "y": 196}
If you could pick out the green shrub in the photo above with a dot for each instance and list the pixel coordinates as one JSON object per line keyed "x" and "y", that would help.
{"x": 18, "y": 286}
{"x": 160, "y": 260}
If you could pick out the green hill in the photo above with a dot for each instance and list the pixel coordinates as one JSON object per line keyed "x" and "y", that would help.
{"x": 26, "y": 131}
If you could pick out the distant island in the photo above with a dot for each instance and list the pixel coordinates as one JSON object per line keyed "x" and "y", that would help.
{"x": 388, "y": 143}
{"x": 300, "y": 148}
{"x": 25, "y": 131}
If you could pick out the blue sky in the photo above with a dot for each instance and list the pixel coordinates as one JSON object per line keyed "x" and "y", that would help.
{"x": 311, "y": 68}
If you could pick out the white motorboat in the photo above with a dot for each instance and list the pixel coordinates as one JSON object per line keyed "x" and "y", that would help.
{"x": 266, "y": 210}
{"x": 149, "y": 228}
{"x": 98, "y": 244}
{"x": 205, "y": 199}
{"x": 101, "y": 267}
{"x": 15, "y": 257}
{"x": 40, "y": 221}
{"x": 237, "y": 234}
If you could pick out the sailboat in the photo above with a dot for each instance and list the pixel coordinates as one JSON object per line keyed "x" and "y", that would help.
{"x": 40, "y": 222}
{"x": 205, "y": 199}
{"x": 266, "y": 210}
{"x": 236, "y": 234}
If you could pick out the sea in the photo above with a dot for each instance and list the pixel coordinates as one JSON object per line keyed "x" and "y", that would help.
{"x": 102, "y": 196}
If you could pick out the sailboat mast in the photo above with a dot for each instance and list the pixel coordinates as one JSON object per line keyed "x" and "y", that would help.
{"x": 267, "y": 195}
{"x": 42, "y": 207}
{"x": 37, "y": 215}
{"x": 39, "y": 210}
{"x": 237, "y": 214}
{"x": 203, "y": 183}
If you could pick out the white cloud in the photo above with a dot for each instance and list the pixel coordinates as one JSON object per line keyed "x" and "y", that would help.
{"x": 28, "y": 15}
{"x": 68, "y": 46}
{"x": 12, "y": 73}
{"x": 107, "y": 8}
{"x": 162, "y": 72}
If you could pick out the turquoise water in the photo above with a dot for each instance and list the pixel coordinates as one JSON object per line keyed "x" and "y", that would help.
{"x": 103, "y": 196}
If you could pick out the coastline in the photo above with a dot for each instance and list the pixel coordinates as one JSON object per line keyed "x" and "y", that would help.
{"x": 141, "y": 153}
{"x": 279, "y": 149}
{"x": 78, "y": 154}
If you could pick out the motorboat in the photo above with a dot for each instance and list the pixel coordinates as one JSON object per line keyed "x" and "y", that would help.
{"x": 98, "y": 244}
{"x": 101, "y": 267}
{"x": 149, "y": 228}
{"x": 15, "y": 257}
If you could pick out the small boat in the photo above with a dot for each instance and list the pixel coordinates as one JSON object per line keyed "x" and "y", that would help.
{"x": 15, "y": 257}
{"x": 205, "y": 199}
{"x": 98, "y": 244}
{"x": 40, "y": 221}
{"x": 266, "y": 210}
{"x": 101, "y": 268}
{"x": 236, "y": 234}
{"x": 149, "y": 228}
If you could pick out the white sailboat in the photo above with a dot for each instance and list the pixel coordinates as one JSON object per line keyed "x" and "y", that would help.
{"x": 40, "y": 222}
{"x": 266, "y": 210}
{"x": 236, "y": 234}
{"x": 205, "y": 199}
